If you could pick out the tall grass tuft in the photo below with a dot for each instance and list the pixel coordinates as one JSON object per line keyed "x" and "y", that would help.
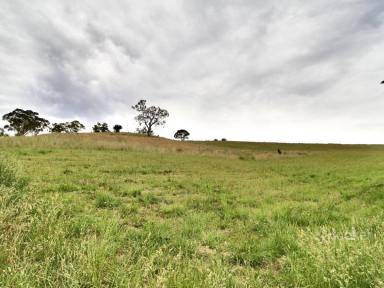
{"x": 9, "y": 174}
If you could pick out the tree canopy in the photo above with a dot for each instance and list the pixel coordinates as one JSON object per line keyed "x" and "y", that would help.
{"x": 181, "y": 134}
{"x": 117, "y": 128}
{"x": 58, "y": 128}
{"x": 149, "y": 117}
{"x": 67, "y": 127}
{"x": 74, "y": 126}
{"x": 100, "y": 127}
{"x": 25, "y": 122}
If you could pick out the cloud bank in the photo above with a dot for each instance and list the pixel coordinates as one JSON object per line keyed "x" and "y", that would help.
{"x": 295, "y": 71}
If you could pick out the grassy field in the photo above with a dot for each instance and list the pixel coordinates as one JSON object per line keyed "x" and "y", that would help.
{"x": 128, "y": 211}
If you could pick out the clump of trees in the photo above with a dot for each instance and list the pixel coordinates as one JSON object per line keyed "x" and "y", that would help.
{"x": 149, "y": 117}
{"x": 67, "y": 127}
{"x": 117, "y": 128}
{"x": 58, "y": 128}
{"x": 27, "y": 122}
{"x": 181, "y": 134}
{"x": 24, "y": 122}
{"x": 100, "y": 128}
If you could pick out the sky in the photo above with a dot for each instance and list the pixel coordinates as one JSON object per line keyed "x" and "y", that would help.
{"x": 250, "y": 70}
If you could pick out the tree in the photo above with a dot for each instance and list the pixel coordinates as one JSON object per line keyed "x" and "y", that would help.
{"x": 58, "y": 128}
{"x": 149, "y": 117}
{"x": 74, "y": 127}
{"x": 117, "y": 128}
{"x": 25, "y": 122}
{"x": 181, "y": 134}
{"x": 67, "y": 127}
{"x": 100, "y": 127}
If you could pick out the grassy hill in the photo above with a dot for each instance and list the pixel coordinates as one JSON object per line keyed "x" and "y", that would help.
{"x": 107, "y": 210}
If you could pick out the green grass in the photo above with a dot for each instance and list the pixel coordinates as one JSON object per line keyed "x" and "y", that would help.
{"x": 127, "y": 211}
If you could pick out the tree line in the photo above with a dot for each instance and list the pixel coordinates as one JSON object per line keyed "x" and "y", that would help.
{"x": 28, "y": 122}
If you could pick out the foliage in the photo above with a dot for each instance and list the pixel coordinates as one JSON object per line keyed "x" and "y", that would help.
{"x": 2, "y": 132}
{"x": 100, "y": 128}
{"x": 117, "y": 128}
{"x": 25, "y": 122}
{"x": 181, "y": 134}
{"x": 67, "y": 127}
{"x": 74, "y": 126}
{"x": 58, "y": 128}
{"x": 149, "y": 117}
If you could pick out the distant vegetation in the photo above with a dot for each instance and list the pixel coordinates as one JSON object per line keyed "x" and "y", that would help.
{"x": 24, "y": 122}
{"x": 149, "y": 117}
{"x": 117, "y": 128}
{"x": 100, "y": 128}
{"x": 28, "y": 122}
{"x": 181, "y": 134}
{"x": 67, "y": 127}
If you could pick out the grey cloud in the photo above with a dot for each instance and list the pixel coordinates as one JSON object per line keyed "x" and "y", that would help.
{"x": 205, "y": 59}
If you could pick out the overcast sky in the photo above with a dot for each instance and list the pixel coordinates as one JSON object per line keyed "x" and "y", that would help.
{"x": 292, "y": 71}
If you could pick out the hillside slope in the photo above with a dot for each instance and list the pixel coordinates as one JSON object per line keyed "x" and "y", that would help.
{"x": 127, "y": 211}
